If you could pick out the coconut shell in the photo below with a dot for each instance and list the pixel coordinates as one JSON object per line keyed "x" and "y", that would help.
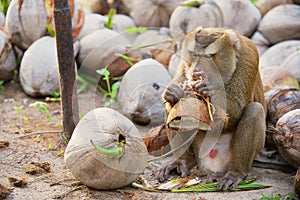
{"x": 287, "y": 140}
{"x": 240, "y": 15}
{"x": 140, "y": 92}
{"x": 189, "y": 113}
{"x": 281, "y": 23}
{"x": 277, "y": 76}
{"x": 94, "y": 169}
{"x": 2, "y": 19}
{"x": 281, "y": 100}
{"x": 292, "y": 63}
{"x": 26, "y": 21}
{"x": 276, "y": 54}
{"x": 185, "y": 19}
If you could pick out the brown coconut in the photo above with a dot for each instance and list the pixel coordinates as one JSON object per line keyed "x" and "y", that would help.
{"x": 26, "y": 21}
{"x": 277, "y": 76}
{"x": 94, "y": 169}
{"x": 240, "y": 15}
{"x": 276, "y": 54}
{"x": 185, "y": 19}
{"x": 292, "y": 63}
{"x": 287, "y": 140}
{"x": 281, "y": 100}
{"x": 281, "y": 23}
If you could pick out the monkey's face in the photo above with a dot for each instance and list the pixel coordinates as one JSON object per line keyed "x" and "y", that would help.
{"x": 212, "y": 50}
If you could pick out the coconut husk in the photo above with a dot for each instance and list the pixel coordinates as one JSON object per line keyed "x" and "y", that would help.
{"x": 190, "y": 113}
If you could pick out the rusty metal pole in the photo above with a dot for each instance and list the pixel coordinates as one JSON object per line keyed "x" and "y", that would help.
{"x": 66, "y": 65}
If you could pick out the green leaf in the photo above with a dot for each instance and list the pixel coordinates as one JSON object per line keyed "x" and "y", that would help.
{"x": 18, "y": 108}
{"x": 193, "y": 4}
{"x": 2, "y": 85}
{"x": 65, "y": 138}
{"x": 25, "y": 119}
{"x": 116, "y": 152}
{"x": 103, "y": 72}
{"x": 49, "y": 117}
{"x": 135, "y": 29}
{"x": 59, "y": 125}
{"x": 114, "y": 89}
{"x": 43, "y": 109}
{"x": 50, "y": 30}
{"x": 107, "y": 104}
{"x": 4, "y": 5}
{"x": 254, "y": 1}
{"x": 81, "y": 116}
{"x": 56, "y": 94}
{"x": 111, "y": 14}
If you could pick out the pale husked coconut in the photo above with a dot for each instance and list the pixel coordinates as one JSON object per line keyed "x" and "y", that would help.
{"x": 292, "y": 63}
{"x": 276, "y": 54}
{"x": 266, "y": 5}
{"x": 39, "y": 68}
{"x": 153, "y": 13}
{"x": 26, "y": 22}
{"x": 185, "y": 19}
{"x": 240, "y": 15}
{"x": 140, "y": 92}
{"x": 105, "y": 126}
{"x": 281, "y": 23}
{"x": 261, "y": 43}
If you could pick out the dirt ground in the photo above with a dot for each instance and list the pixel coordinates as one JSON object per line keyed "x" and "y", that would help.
{"x": 37, "y": 160}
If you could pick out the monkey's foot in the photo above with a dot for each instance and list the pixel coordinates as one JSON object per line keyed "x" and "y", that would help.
{"x": 180, "y": 166}
{"x": 230, "y": 180}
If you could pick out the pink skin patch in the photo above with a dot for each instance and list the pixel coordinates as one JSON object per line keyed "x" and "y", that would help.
{"x": 213, "y": 153}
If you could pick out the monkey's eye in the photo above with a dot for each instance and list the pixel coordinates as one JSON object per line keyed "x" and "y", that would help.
{"x": 208, "y": 55}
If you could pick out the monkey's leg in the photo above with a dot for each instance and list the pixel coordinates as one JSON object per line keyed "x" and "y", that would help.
{"x": 248, "y": 140}
{"x": 184, "y": 155}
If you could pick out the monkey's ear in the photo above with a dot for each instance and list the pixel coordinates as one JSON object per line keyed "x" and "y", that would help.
{"x": 235, "y": 41}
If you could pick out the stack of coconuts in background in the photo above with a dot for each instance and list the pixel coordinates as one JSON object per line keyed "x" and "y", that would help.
{"x": 149, "y": 34}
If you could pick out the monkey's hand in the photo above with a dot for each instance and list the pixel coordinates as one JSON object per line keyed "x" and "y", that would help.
{"x": 229, "y": 181}
{"x": 180, "y": 166}
{"x": 200, "y": 85}
{"x": 173, "y": 94}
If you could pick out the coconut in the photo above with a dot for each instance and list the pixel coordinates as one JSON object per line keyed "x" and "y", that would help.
{"x": 174, "y": 63}
{"x": 185, "y": 19}
{"x": 277, "y": 76}
{"x": 140, "y": 92}
{"x": 261, "y": 43}
{"x": 163, "y": 48}
{"x": 292, "y": 63}
{"x": 26, "y": 21}
{"x": 287, "y": 140}
{"x": 98, "y": 49}
{"x": 7, "y": 58}
{"x": 92, "y": 22}
{"x": 104, "y": 127}
{"x": 2, "y": 18}
{"x": 189, "y": 113}
{"x": 265, "y": 5}
{"x": 240, "y": 15}
{"x": 281, "y": 23}
{"x": 276, "y": 54}
{"x": 39, "y": 68}
{"x": 153, "y": 13}
{"x": 102, "y": 7}
{"x": 281, "y": 100}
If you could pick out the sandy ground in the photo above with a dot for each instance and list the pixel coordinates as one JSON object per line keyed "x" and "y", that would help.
{"x": 24, "y": 154}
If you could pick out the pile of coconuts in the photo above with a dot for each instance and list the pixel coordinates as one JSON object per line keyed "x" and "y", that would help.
{"x": 139, "y": 44}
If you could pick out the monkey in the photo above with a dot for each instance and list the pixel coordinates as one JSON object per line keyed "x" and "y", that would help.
{"x": 242, "y": 137}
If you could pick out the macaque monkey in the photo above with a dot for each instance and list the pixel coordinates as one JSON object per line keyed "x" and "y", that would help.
{"x": 242, "y": 137}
